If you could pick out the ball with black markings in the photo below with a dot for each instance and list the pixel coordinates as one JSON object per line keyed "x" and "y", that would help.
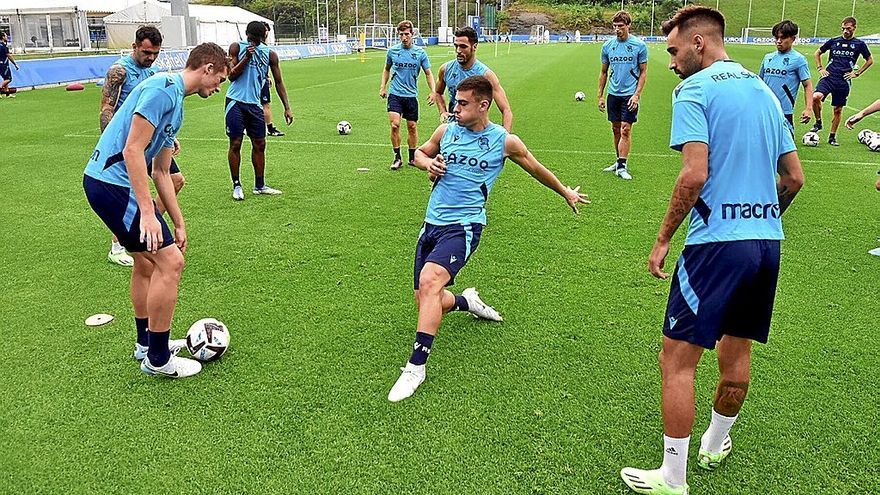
{"x": 207, "y": 339}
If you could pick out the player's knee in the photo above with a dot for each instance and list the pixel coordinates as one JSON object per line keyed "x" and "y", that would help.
{"x": 235, "y": 144}
{"x": 429, "y": 283}
{"x": 625, "y": 131}
{"x": 412, "y": 126}
{"x": 817, "y": 97}
{"x": 179, "y": 181}
{"x": 838, "y": 111}
{"x": 395, "y": 126}
{"x": 259, "y": 145}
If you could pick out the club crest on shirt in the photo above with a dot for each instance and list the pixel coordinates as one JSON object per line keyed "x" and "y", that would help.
{"x": 483, "y": 142}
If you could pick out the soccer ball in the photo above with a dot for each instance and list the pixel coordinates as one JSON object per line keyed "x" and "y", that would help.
{"x": 343, "y": 127}
{"x": 207, "y": 339}
{"x": 874, "y": 143}
{"x": 811, "y": 139}
{"x": 865, "y": 136}
{"x": 580, "y": 96}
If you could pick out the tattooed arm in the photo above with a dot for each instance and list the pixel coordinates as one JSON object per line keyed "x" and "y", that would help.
{"x": 791, "y": 179}
{"x": 694, "y": 172}
{"x": 110, "y": 94}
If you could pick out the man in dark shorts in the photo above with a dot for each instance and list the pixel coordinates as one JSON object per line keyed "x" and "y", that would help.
{"x": 5, "y": 73}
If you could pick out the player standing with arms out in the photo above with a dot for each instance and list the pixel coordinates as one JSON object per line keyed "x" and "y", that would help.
{"x": 724, "y": 283}
{"x": 785, "y": 70}
{"x": 466, "y": 65}
{"x": 116, "y": 183}
{"x": 836, "y": 78}
{"x": 5, "y": 72}
{"x": 463, "y": 160}
{"x": 122, "y": 77}
{"x": 406, "y": 60}
{"x": 627, "y": 57}
{"x": 253, "y": 60}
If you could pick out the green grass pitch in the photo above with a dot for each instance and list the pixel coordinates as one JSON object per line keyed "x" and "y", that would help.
{"x": 315, "y": 286}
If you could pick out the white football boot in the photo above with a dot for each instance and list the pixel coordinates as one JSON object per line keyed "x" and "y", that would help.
{"x": 411, "y": 377}
{"x": 612, "y": 168}
{"x": 267, "y": 190}
{"x": 623, "y": 173}
{"x": 478, "y": 308}
{"x": 176, "y": 367}
{"x": 237, "y": 193}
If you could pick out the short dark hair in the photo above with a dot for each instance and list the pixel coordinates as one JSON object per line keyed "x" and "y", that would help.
{"x": 255, "y": 31}
{"x": 268, "y": 27}
{"x": 404, "y": 25}
{"x": 481, "y": 87}
{"x": 207, "y": 53}
{"x": 467, "y": 32}
{"x": 785, "y": 29}
{"x": 622, "y": 16}
{"x": 692, "y": 15}
{"x": 849, "y": 20}
{"x": 148, "y": 33}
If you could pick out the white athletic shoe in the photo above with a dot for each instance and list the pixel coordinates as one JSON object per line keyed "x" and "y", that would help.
{"x": 478, "y": 308}
{"x": 267, "y": 190}
{"x": 875, "y": 252}
{"x": 237, "y": 193}
{"x": 174, "y": 345}
{"x": 623, "y": 173}
{"x": 612, "y": 168}
{"x": 121, "y": 258}
{"x": 650, "y": 482}
{"x": 176, "y": 367}
{"x": 411, "y": 377}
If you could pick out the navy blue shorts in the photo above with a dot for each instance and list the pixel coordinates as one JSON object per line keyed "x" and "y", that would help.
{"x": 406, "y": 106}
{"x": 618, "y": 110}
{"x": 723, "y": 288}
{"x": 118, "y": 209}
{"x": 790, "y": 119}
{"x": 449, "y": 246}
{"x": 265, "y": 94}
{"x": 241, "y": 117}
{"x": 837, "y": 87}
{"x": 174, "y": 169}
{"x": 5, "y": 72}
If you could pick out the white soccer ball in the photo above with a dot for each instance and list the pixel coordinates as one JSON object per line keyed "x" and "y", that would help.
{"x": 207, "y": 339}
{"x": 811, "y": 139}
{"x": 580, "y": 96}
{"x": 865, "y": 135}
{"x": 874, "y": 142}
{"x": 343, "y": 127}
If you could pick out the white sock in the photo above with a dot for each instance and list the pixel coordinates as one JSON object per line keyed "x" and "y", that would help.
{"x": 116, "y": 248}
{"x": 718, "y": 430}
{"x": 675, "y": 460}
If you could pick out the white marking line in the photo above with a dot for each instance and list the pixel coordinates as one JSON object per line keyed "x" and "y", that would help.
{"x": 539, "y": 150}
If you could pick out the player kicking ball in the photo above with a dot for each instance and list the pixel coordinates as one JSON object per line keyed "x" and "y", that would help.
{"x": 142, "y": 131}
{"x": 463, "y": 159}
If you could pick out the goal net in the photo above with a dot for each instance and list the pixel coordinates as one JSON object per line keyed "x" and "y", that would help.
{"x": 759, "y": 35}
{"x": 380, "y": 36}
{"x": 536, "y": 35}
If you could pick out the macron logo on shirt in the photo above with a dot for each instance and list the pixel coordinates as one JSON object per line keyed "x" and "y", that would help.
{"x": 734, "y": 211}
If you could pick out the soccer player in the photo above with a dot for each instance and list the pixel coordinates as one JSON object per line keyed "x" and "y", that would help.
{"x": 5, "y": 72}
{"x": 143, "y": 131}
{"x": 837, "y": 77}
{"x": 463, "y": 160}
{"x": 406, "y": 59}
{"x": 786, "y": 69}
{"x": 850, "y": 123}
{"x": 266, "y": 100}
{"x": 121, "y": 79}
{"x": 465, "y": 65}
{"x": 725, "y": 279}
{"x": 253, "y": 61}
{"x": 627, "y": 57}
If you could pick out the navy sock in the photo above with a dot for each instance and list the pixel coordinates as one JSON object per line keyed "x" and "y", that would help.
{"x": 397, "y": 153}
{"x": 421, "y": 348}
{"x": 621, "y": 162}
{"x": 141, "y": 324}
{"x": 461, "y": 304}
{"x": 259, "y": 182}
{"x": 831, "y": 136}
{"x": 235, "y": 181}
{"x": 159, "y": 354}
{"x": 412, "y": 154}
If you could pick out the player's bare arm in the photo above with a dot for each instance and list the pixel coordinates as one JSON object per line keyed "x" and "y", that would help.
{"x": 429, "y": 77}
{"x": 239, "y": 65}
{"x": 790, "y": 181}
{"x": 275, "y": 67}
{"x": 600, "y": 95}
{"x": 516, "y": 150}
{"x": 808, "y": 101}
{"x": 854, "y": 74}
{"x": 819, "y": 66}
{"x": 873, "y": 107}
{"x": 693, "y": 175}
{"x": 633, "y": 102}
{"x": 428, "y": 155}
{"x": 136, "y": 164}
{"x": 165, "y": 189}
{"x": 113, "y": 82}
{"x": 386, "y": 75}
{"x": 501, "y": 101}
{"x": 439, "y": 99}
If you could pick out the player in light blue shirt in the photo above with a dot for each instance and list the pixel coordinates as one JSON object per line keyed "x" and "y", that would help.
{"x": 402, "y": 65}
{"x": 463, "y": 159}
{"x": 116, "y": 183}
{"x": 740, "y": 172}
{"x": 244, "y": 110}
{"x": 627, "y": 58}
{"x": 785, "y": 70}
{"x": 121, "y": 79}
{"x": 466, "y": 65}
